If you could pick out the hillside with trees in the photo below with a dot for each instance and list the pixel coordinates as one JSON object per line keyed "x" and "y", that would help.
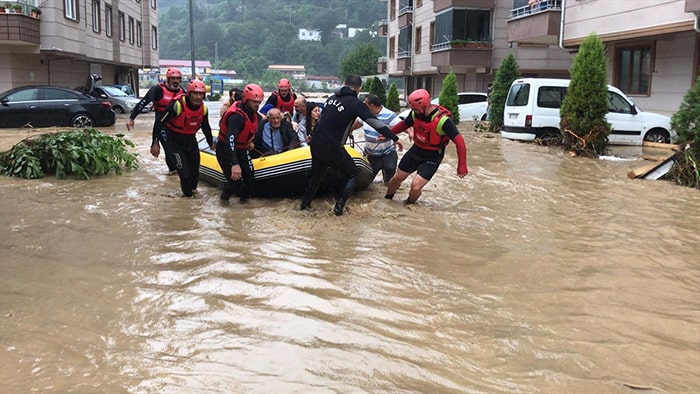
{"x": 249, "y": 35}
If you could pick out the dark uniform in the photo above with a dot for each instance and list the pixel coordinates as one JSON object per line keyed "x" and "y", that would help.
{"x": 327, "y": 151}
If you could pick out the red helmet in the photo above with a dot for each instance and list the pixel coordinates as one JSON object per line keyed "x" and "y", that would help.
{"x": 253, "y": 92}
{"x": 284, "y": 84}
{"x": 419, "y": 100}
{"x": 196, "y": 86}
{"x": 173, "y": 73}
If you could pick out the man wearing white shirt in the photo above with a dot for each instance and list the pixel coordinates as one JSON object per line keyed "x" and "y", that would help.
{"x": 380, "y": 152}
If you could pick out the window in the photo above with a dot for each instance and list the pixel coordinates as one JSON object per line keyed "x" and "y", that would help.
{"x": 519, "y": 95}
{"x": 405, "y": 42}
{"x": 122, "y": 26}
{"x": 96, "y": 25}
{"x": 392, "y": 47}
{"x": 419, "y": 35}
{"x": 461, "y": 24}
{"x": 392, "y": 9}
{"x": 633, "y": 69}
{"x": 154, "y": 37}
{"x": 550, "y": 96}
{"x": 70, "y": 9}
{"x": 419, "y": 3}
{"x": 108, "y": 20}
{"x": 131, "y": 30}
{"x": 617, "y": 104}
{"x": 139, "y": 34}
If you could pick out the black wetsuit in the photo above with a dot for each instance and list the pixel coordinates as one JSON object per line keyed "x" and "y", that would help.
{"x": 183, "y": 147}
{"x": 155, "y": 94}
{"x": 327, "y": 150}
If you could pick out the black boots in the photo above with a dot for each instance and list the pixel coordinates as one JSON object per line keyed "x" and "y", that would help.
{"x": 339, "y": 206}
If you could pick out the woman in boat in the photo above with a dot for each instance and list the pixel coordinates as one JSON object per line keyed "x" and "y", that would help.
{"x": 313, "y": 113}
{"x": 237, "y": 129}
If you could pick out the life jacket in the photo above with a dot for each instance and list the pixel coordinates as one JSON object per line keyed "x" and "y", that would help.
{"x": 185, "y": 120}
{"x": 429, "y": 135}
{"x": 285, "y": 105}
{"x": 168, "y": 97}
{"x": 250, "y": 127}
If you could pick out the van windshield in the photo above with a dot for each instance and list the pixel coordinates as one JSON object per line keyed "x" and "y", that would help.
{"x": 518, "y": 95}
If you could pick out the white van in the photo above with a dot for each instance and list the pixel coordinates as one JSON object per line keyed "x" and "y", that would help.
{"x": 532, "y": 111}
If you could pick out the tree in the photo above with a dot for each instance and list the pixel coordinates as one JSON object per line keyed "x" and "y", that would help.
{"x": 584, "y": 127}
{"x": 378, "y": 90}
{"x": 392, "y": 98}
{"x": 506, "y": 74}
{"x": 367, "y": 86}
{"x": 361, "y": 61}
{"x": 449, "y": 97}
{"x": 686, "y": 122}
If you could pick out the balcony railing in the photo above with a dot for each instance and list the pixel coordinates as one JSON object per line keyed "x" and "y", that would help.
{"x": 405, "y": 10}
{"x": 523, "y": 8}
{"x": 463, "y": 44}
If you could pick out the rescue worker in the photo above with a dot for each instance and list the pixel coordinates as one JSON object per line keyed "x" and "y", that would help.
{"x": 283, "y": 98}
{"x": 237, "y": 129}
{"x": 161, "y": 96}
{"x": 181, "y": 120}
{"x": 432, "y": 131}
{"x": 329, "y": 136}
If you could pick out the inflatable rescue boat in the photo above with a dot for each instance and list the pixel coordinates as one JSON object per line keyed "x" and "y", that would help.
{"x": 283, "y": 174}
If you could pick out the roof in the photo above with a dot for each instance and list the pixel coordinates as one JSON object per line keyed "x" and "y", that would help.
{"x": 322, "y": 78}
{"x": 184, "y": 63}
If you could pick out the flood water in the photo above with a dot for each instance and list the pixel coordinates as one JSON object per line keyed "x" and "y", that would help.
{"x": 536, "y": 273}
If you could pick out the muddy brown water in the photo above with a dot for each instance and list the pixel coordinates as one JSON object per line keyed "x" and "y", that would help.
{"x": 537, "y": 273}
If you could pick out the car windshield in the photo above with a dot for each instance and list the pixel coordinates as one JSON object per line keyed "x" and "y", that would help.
{"x": 112, "y": 91}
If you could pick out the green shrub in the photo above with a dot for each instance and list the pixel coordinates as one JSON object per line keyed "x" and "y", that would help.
{"x": 584, "y": 127}
{"x": 506, "y": 74}
{"x": 686, "y": 122}
{"x": 449, "y": 97}
{"x": 82, "y": 153}
{"x": 392, "y": 99}
{"x": 378, "y": 90}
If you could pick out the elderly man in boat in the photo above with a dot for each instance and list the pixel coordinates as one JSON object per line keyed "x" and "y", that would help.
{"x": 275, "y": 135}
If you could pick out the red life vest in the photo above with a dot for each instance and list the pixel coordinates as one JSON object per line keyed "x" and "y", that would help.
{"x": 250, "y": 127}
{"x": 185, "y": 120}
{"x": 429, "y": 135}
{"x": 285, "y": 105}
{"x": 168, "y": 97}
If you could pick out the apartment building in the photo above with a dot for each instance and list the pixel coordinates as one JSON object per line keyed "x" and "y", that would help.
{"x": 72, "y": 39}
{"x": 652, "y": 44}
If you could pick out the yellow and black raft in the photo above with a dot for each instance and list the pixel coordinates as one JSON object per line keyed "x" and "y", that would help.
{"x": 283, "y": 174}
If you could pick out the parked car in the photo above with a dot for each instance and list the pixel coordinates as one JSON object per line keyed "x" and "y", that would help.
{"x": 532, "y": 111}
{"x": 45, "y": 106}
{"x": 126, "y": 89}
{"x": 121, "y": 102}
{"x": 472, "y": 105}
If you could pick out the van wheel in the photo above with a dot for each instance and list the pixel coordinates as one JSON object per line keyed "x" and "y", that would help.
{"x": 658, "y": 135}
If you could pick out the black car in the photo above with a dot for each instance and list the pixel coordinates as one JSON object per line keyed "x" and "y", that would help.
{"x": 45, "y": 106}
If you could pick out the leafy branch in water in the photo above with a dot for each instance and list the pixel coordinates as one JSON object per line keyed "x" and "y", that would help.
{"x": 83, "y": 153}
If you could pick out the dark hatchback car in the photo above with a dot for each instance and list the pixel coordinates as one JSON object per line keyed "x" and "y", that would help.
{"x": 45, "y": 106}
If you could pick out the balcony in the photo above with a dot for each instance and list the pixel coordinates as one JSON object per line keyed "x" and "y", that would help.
{"x": 439, "y": 5}
{"x": 405, "y": 17}
{"x": 381, "y": 65}
{"x": 692, "y": 6}
{"x": 469, "y": 54}
{"x": 19, "y": 29}
{"x": 536, "y": 23}
{"x": 403, "y": 62}
{"x": 383, "y": 28}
